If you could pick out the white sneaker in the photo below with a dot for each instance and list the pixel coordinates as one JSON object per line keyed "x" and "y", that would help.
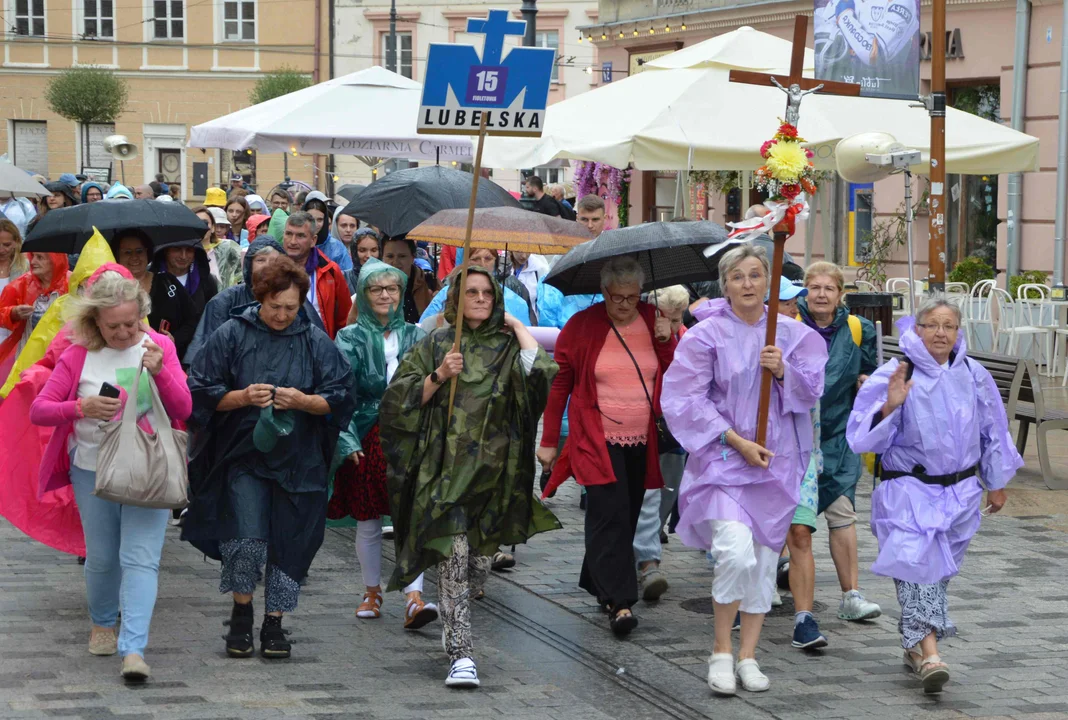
{"x": 721, "y": 674}
{"x": 855, "y": 607}
{"x": 462, "y": 674}
{"x": 776, "y": 599}
{"x": 752, "y": 679}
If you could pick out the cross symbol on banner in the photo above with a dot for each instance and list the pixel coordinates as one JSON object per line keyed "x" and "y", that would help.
{"x": 495, "y": 27}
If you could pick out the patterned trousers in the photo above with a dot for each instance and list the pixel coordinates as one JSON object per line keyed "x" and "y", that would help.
{"x": 924, "y": 609}
{"x": 459, "y": 579}
{"x": 243, "y": 562}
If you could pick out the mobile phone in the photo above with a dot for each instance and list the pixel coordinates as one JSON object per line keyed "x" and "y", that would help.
{"x": 109, "y": 391}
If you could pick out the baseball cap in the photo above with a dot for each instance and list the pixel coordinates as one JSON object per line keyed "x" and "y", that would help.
{"x": 219, "y": 215}
{"x": 215, "y": 197}
{"x": 788, "y": 291}
{"x": 235, "y": 177}
{"x": 68, "y": 179}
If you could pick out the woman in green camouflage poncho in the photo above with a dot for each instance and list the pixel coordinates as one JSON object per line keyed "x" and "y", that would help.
{"x": 459, "y": 493}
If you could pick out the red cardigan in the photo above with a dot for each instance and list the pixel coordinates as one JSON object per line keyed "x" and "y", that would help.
{"x": 585, "y": 454}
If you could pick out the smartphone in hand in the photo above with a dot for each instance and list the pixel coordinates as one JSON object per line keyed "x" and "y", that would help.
{"x": 109, "y": 391}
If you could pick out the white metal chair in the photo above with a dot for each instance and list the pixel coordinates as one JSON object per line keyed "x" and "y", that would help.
{"x": 962, "y": 301}
{"x": 865, "y": 286}
{"x": 980, "y": 314}
{"x": 1010, "y": 325}
{"x": 1039, "y": 313}
{"x": 902, "y": 286}
{"x": 953, "y": 288}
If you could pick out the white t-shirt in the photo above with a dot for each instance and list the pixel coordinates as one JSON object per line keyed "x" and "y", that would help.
{"x": 118, "y": 367}
{"x": 392, "y": 347}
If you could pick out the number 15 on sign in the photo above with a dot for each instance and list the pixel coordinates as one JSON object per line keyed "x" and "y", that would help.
{"x": 486, "y": 84}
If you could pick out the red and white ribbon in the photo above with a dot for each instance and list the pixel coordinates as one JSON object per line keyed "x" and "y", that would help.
{"x": 788, "y": 212}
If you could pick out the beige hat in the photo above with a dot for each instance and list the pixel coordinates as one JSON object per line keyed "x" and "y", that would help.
{"x": 219, "y": 216}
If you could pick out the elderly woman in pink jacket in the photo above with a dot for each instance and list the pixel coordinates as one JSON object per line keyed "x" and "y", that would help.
{"x": 123, "y": 543}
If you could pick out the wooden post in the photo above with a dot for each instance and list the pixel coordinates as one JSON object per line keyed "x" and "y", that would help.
{"x": 936, "y": 258}
{"x": 476, "y": 173}
{"x": 769, "y": 337}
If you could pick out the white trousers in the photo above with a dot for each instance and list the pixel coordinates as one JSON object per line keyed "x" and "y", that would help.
{"x": 369, "y": 553}
{"x": 744, "y": 569}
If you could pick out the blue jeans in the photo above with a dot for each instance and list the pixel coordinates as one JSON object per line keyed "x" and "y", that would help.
{"x": 123, "y": 545}
{"x": 656, "y": 508}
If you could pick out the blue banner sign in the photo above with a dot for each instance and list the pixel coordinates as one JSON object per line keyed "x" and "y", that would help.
{"x": 511, "y": 91}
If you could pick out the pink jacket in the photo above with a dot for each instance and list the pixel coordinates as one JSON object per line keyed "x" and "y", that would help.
{"x": 56, "y": 405}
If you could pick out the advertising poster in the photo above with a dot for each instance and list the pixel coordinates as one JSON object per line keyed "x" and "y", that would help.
{"x": 874, "y": 43}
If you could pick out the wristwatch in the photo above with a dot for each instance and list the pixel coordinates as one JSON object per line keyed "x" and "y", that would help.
{"x": 435, "y": 379}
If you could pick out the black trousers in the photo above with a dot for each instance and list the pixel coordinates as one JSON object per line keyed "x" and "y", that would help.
{"x": 612, "y": 511}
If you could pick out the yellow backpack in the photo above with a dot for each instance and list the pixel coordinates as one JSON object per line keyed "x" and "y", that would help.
{"x": 855, "y": 328}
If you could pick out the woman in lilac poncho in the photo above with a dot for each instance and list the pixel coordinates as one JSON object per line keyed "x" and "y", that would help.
{"x": 926, "y": 510}
{"x": 737, "y": 498}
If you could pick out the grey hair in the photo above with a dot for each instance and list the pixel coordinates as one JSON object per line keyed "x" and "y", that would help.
{"x": 933, "y": 302}
{"x": 675, "y": 297}
{"x": 110, "y": 290}
{"x": 732, "y": 258}
{"x": 620, "y": 271}
{"x": 300, "y": 219}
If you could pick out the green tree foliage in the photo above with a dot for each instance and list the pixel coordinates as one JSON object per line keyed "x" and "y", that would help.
{"x": 87, "y": 95}
{"x": 971, "y": 270}
{"x": 275, "y": 84}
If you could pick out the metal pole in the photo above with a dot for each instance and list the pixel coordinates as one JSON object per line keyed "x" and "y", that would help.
{"x": 1019, "y": 103}
{"x": 1062, "y": 159}
{"x": 529, "y": 10}
{"x": 908, "y": 240}
{"x": 391, "y": 39}
{"x": 936, "y": 274}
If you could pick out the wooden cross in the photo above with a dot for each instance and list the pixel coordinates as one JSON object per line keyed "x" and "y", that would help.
{"x": 795, "y": 87}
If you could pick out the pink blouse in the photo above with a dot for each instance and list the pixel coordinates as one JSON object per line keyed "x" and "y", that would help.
{"x": 624, "y": 405}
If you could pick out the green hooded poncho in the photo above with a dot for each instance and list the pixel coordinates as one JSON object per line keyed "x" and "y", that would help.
{"x": 477, "y": 477}
{"x": 363, "y": 344}
{"x": 277, "y": 226}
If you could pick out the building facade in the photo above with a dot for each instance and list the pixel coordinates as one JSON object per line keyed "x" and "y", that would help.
{"x": 361, "y": 38}
{"x": 979, "y": 72}
{"x": 185, "y": 62}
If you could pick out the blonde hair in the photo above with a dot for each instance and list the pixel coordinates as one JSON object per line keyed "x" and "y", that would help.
{"x": 19, "y": 264}
{"x": 675, "y": 297}
{"x": 110, "y": 290}
{"x": 830, "y": 270}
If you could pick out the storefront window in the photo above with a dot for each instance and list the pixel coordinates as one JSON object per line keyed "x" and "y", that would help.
{"x": 972, "y": 200}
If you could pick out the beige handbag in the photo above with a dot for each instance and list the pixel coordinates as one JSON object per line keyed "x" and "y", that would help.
{"x": 143, "y": 469}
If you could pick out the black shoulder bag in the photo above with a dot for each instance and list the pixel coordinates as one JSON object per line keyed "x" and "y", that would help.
{"x": 666, "y": 442}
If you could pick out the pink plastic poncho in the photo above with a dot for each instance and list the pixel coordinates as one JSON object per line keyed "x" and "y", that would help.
{"x": 952, "y": 419}
{"x": 714, "y": 384}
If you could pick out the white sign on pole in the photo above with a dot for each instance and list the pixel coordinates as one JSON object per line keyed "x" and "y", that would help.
{"x": 98, "y": 156}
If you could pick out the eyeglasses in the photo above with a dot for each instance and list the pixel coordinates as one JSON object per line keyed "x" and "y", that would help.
{"x": 380, "y": 290}
{"x": 625, "y": 299}
{"x": 947, "y": 329}
{"x": 473, "y": 293}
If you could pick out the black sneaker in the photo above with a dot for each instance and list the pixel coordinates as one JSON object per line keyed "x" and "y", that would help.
{"x": 273, "y": 643}
{"x": 239, "y": 639}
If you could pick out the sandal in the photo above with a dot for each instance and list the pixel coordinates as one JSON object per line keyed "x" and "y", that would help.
{"x": 502, "y": 561}
{"x": 934, "y": 674}
{"x": 721, "y": 677}
{"x": 913, "y": 660}
{"x": 622, "y": 622}
{"x": 419, "y": 614}
{"x": 371, "y": 607}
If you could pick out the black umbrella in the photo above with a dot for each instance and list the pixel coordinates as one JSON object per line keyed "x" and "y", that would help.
{"x": 670, "y": 253}
{"x": 68, "y": 229}
{"x": 350, "y": 191}
{"x": 403, "y": 199}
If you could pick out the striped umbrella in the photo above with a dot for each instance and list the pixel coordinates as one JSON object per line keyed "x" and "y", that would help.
{"x": 502, "y": 228}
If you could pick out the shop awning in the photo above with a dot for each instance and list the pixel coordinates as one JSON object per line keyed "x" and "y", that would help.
{"x": 685, "y": 102}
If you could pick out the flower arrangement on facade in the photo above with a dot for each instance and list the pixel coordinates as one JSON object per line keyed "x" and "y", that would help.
{"x": 605, "y": 181}
{"x": 787, "y": 170}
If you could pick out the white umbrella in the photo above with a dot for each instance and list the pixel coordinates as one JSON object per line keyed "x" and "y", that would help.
{"x": 684, "y": 103}
{"x": 16, "y": 183}
{"x": 371, "y": 113}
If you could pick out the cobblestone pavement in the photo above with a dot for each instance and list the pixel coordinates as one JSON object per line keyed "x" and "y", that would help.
{"x": 543, "y": 649}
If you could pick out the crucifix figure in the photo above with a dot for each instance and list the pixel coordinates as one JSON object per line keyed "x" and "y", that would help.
{"x": 796, "y": 87}
{"x": 794, "y": 93}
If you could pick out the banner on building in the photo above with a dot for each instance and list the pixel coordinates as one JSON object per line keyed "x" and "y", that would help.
{"x": 873, "y": 43}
